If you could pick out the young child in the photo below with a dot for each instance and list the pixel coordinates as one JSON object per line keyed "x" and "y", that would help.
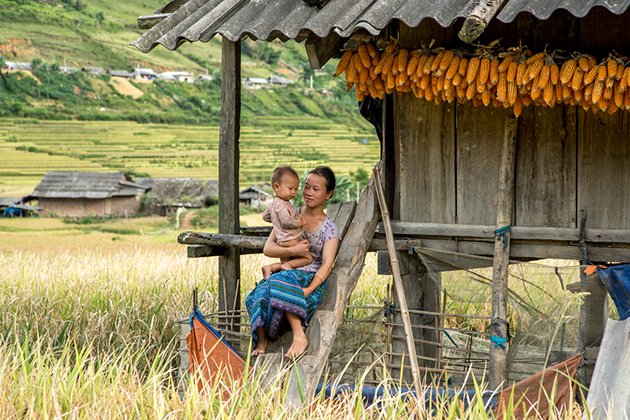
{"x": 286, "y": 223}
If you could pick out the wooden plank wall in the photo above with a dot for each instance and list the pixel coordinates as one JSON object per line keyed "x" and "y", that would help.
{"x": 426, "y": 161}
{"x": 567, "y": 159}
{"x": 546, "y": 168}
{"x": 604, "y": 169}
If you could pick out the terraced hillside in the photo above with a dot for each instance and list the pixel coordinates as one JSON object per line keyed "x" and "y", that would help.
{"x": 29, "y": 148}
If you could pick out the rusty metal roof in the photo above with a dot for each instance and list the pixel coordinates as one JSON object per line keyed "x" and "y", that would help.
{"x": 199, "y": 20}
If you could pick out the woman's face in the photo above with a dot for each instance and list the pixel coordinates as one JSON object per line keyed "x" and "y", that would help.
{"x": 314, "y": 192}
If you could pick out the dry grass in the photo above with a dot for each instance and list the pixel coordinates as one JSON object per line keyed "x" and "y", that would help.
{"x": 87, "y": 328}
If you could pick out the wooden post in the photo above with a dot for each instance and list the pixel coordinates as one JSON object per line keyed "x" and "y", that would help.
{"x": 229, "y": 265}
{"x": 499, "y": 328}
{"x": 593, "y": 312}
{"x": 400, "y": 292}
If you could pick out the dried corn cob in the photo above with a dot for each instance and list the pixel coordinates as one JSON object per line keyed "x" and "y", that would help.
{"x": 342, "y": 65}
{"x": 591, "y": 75}
{"x": 435, "y": 65}
{"x": 412, "y": 64}
{"x": 505, "y": 63}
{"x": 403, "y": 57}
{"x": 366, "y": 60}
{"x": 493, "y": 78}
{"x": 453, "y": 68}
{"x": 473, "y": 67}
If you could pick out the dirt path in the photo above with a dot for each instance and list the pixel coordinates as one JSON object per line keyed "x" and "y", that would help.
{"x": 125, "y": 87}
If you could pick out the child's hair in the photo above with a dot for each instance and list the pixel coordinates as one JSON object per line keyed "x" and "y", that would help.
{"x": 328, "y": 175}
{"x": 279, "y": 172}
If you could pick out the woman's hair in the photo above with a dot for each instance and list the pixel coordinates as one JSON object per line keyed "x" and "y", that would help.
{"x": 278, "y": 173}
{"x": 328, "y": 175}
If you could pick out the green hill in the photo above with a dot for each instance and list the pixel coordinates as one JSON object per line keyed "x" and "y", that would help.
{"x": 50, "y": 120}
{"x": 77, "y": 33}
{"x": 97, "y": 33}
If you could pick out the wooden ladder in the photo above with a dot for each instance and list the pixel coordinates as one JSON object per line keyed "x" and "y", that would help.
{"x": 357, "y": 222}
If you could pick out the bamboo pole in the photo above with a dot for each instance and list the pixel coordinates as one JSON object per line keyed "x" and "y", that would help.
{"x": 499, "y": 328}
{"x": 400, "y": 293}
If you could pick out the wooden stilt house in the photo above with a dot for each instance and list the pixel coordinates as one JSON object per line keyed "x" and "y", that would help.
{"x": 462, "y": 173}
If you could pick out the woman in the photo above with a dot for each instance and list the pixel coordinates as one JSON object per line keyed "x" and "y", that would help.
{"x": 294, "y": 295}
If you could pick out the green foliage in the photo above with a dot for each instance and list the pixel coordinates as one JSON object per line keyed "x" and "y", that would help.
{"x": 205, "y": 218}
{"x": 262, "y": 51}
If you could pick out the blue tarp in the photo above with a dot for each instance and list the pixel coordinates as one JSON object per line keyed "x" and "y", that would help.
{"x": 616, "y": 279}
{"x": 431, "y": 396}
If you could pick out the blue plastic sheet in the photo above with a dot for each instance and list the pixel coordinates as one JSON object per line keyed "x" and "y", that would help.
{"x": 616, "y": 279}
{"x": 431, "y": 396}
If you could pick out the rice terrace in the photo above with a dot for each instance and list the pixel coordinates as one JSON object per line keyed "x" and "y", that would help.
{"x": 314, "y": 209}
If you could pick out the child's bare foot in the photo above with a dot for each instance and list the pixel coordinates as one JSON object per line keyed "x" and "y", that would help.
{"x": 298, "y": 347}
{"x": 266, "y": 272}
{"x": 286, "y": 266}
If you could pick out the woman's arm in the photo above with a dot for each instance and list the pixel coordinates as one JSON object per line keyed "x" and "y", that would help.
{"x": 273, "y": 250}
{"x": 328, "y": 258}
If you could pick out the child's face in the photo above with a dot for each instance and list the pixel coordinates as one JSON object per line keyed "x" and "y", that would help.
{"x": 287, "y": 189}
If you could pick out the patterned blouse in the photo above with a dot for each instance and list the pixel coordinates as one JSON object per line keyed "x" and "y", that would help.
{"x": 327, "y": 230}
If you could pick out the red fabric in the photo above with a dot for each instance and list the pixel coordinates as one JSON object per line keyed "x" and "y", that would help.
{"x": 555, "y": 384}
{"x": 209, "y": 356}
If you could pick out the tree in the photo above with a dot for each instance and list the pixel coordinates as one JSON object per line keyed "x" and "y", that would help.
{"x": 100, "y": 18}
{"x": 3, "y": 63}
{"x": 307, "y": 73}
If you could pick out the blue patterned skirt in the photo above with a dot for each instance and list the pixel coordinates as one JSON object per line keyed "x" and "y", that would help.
{"x": 281, "y": 292}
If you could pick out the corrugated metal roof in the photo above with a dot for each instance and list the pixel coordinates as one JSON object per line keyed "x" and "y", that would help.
{"x": 542, "y": 9}
{"x": 200, "y": 20}
{"x": 93, "y": 185}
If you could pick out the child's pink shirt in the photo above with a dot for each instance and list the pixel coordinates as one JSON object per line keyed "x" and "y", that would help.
{"x": 285, "y": 220}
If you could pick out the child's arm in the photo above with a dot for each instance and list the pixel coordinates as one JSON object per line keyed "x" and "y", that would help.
{"x": 289, "y": 218}
{"x": 273, "y": 250}
{"x": 328, "y": 258}
{"x": 267, "y": 215}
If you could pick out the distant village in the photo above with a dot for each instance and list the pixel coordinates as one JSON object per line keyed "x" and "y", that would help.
{"x": 117, "y": 194}
{"x": 147, "y": 74}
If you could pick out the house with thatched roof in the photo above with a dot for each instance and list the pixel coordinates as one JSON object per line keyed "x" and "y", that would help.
{"x": 78, "y": 194}
{"x": 169, "y": 194}
{"x": 254, "y": 197}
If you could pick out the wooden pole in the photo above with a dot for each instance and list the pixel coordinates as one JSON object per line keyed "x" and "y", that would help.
{"x": 229, "y": 265}
{"x": 499, "y": 327}
{"x": 400, "y": 292}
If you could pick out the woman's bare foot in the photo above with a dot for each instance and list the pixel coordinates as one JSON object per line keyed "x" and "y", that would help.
{"x": 261, "y": 345}
{"x": 266, "y": 272}
{"x": 258, "y": 351}
{"x": 298, "y": 347}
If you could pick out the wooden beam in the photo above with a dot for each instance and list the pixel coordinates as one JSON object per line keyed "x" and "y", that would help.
{"x": 222, "y": 240}
{"x": 320, "y": 50}
{"x": 593, "y": 236}
{"x": 360, "y": 37}
{"x": 505, "y": 200}
{"x": 229, "y": 134}
{"x": 476, "y": 22}
{"x": 200, "y": 251}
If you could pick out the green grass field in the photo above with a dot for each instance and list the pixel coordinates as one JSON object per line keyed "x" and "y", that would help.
{"x": 30, "y": 148}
